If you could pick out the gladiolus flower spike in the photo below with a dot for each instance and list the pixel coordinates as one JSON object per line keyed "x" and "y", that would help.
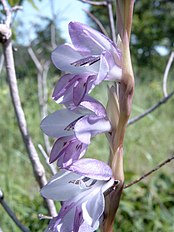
{"x": 81, "y": 183}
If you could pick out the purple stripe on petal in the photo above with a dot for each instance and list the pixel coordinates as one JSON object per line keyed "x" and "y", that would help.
{"x": 62, "y": 86}
{"x": 58, "y": 123}
{"x": 65, "y": 55}
{"x": 78, "y": 219}
{"x": 91, "y": 168}
{"x": 58, "y": 146}
{"x": 82, "y": 88}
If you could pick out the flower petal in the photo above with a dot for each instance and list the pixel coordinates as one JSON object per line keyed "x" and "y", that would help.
{"x": 93, "y": 105}
{"x": 62, "y": 86}
{"x": 91, "y": 168}
{"x": 65, "y": 55}
{"x": 89, "y": 126}
{"x": 87, "y": 40}
{"x": 83, "y": 87}
{"x": 58, "y": 146}
{"x": 71, "y": 153}
{"x": 60, "y": 188}
{"x": 55, "y": 124}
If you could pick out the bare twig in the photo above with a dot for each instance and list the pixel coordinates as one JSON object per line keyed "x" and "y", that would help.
{"x": 95, "y": 3}
{"x": 35, "y": 59}
{"x": 42, "y": 71}
{"x": 151, "y": 109}
{"x": 111, "y": 20}
{"x": 12, "y": 214}
{"x": 167, "y": 69}
{"x": 51, "y": 166}
{"x": 99, "y": 24}
{"x": 150, "y": 172}
{"x": 38, "y": 168}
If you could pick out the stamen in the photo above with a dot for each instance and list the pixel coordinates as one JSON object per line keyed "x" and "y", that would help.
{"x": 87, "y": 61}
{"x": 84, "y": 183}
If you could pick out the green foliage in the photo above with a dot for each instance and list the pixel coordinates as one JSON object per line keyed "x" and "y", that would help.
{"x": 147, "y": 206}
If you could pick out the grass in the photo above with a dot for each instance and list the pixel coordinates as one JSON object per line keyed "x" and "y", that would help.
{"x": 147, "y": 206}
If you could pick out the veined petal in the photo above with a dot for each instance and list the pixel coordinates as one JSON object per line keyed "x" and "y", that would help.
{"x": 82, "y": 88}
{"x": 55, "y": 124}
{"x": 61, "y": 187}
{"x": 63, "y": 84}
{"x": 91, "y": 168}
{"x": 65, "y": 55}
{"x": 71, "y": 153}
{"x": 89, "y": 126}
{"x": 58, "y": 146}
{"x": 87, "y": 40}
{"x": 78, "y": 219}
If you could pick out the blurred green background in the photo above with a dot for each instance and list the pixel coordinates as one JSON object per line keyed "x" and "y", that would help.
{"x": 147, "y": 206}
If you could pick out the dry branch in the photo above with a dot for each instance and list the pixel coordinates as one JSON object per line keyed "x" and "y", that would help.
{"x": 151, "y": 109}
{"x": 149, "y": 173}
{"x": 99, "y": 24}
{"x": 38, "y": 169}
{"x": 111, "y": 20}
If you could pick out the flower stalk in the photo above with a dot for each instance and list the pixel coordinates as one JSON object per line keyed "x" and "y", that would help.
{"x": 125, "y": 95}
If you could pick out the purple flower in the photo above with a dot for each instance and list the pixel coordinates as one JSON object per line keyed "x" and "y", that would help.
{"x": 81, "y": 189}
{"x": 66, "y": 150}
{"x": 90, "y": 59}
{"x": 72, "y": 88}
{"x": 84, "y": 122}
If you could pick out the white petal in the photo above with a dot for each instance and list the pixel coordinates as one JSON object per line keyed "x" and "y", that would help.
{"x": 65, "y": 55}
{"x": 54, "y": 124}
{"x": 60, "y": 187}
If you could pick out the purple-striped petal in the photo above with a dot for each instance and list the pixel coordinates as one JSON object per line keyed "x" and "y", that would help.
{"x": 91, "y": 168}
{"x": 61, "y": 187}
{"x": 65, "y": 55}
{"x": 82, "y": 88}
{"x": 58, "y": 124}
{"x": 89, "y": 126}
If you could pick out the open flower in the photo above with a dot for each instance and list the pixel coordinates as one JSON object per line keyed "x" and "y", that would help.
{"x": 81, "y": 189}
{"x": 90, "y": 59}
{"x": 66, "y": 150}
{"x": 85, "y": 121}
